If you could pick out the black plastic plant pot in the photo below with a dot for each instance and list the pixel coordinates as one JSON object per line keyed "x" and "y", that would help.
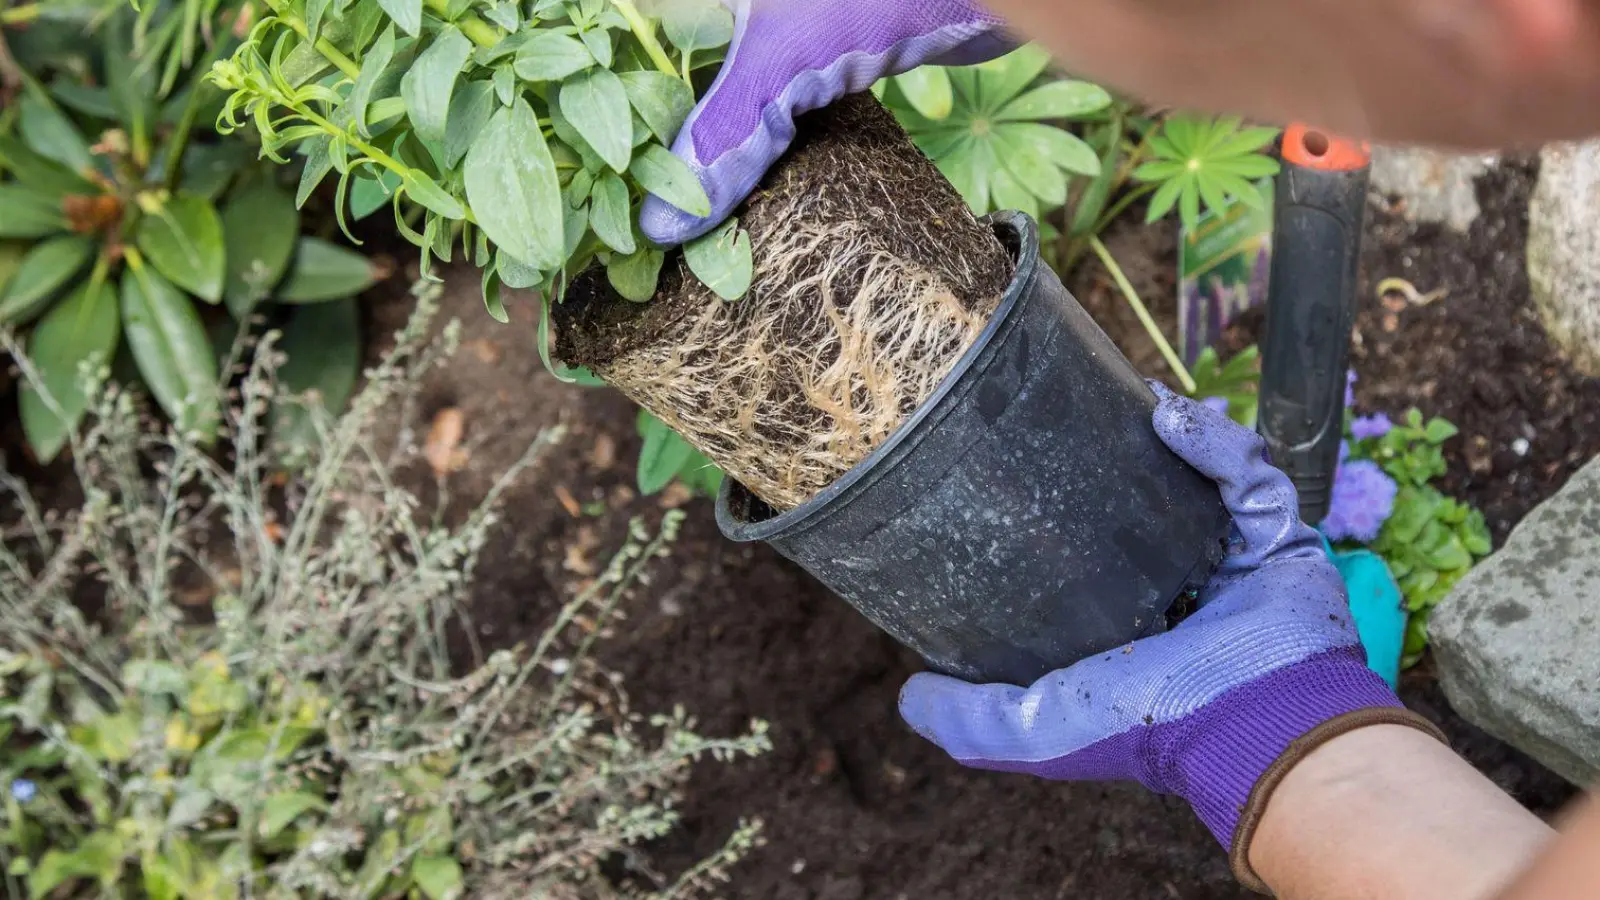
{"x": 1026, "y": 515}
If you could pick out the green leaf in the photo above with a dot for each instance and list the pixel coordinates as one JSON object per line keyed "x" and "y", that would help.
{"x": 29, "y": 214}
{"x": 662, "y": 101}
{"x": 405, "y": 13}
{"x": 551, "y": 56}
{"x": 596, "y": 105}
{"x": 1062, "y": 148}
{"x": 722, "y": 260}
{"x": 998, "y": 81}
{"x": 189, "y": 807}
{"x": 697, "y": 24}
{"x": 967, "y": 167}
{"x": 372, "y": 68}
{"x": 516, "y": 274}
{"x": 661, "y": 173}
{"x": 598, "y": 40}
{"x": 1439, "y": 431}
{"x": 91, "y": 101}
{"x": 82, "y": 327}
{"x": 431, "y": 80}
{"x": 47, "y": 268}
{"x": 322, "y": 347}
{"x": 1165, "y": 197}
{"x": 470, "y": 110}
{"x": 324, "y": 271}
{"x": 50, "y": 133}
{"x": 928, "y": 90}
{"x": 1008, "y": 194}
{"x": 368, "y": 195}
{"x": 439, "y": 877}
{"x": 635, "y": 276}
{"x": 663, "y": 455}
{"x": 1023, "y": 154}
{"x": 512, "y": 186}
{"x": 279, "y": 810}
{"x": 109, "y": 737}
{"x": 1057, "y": 100}
{"x": 492, "y": 301}
{"x": 505, "y": 84}
{"x": 609, "y": 214}
{"x": 43, "y": 177}
{"x": 381, "y": 855}
{"x": 259, "y": 227}
{"x": 182, "y": 238}
{"x": 426, "y": 191}
{"x": 173, "y": 352}
{"x": 98, "y": 857}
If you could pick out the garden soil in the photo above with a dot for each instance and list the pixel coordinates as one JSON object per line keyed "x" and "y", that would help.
{"x": 855, "y": 805}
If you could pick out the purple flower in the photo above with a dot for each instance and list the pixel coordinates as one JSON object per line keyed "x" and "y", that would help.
{"x": 1220, "y": 404}
{"x": 1363, "y": 499}
{"x": 1350, "y": 389}
{"x": 23, "y": 790}
{"x": 1373, "y": 426}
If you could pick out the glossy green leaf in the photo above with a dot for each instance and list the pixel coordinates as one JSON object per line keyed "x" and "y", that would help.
{"x": 1061, "y": 148}
{"x": 1057, "y": 100}
{"x": 429, "y": 83}
{"x": 368, "y": 195}
{"x": 662, "y": 101}
{"x": 511, "y": 184}
{"x": 662, "y": 456}
{"x": 324, "y": 271}
{"x": 1008, "y": 194}
{"x": 405, "y": 13}
{"x": 208, "y": 169}
{"x": 439, "y": 877}
{"x": 635, "y": 276}
{"x": 280, "y": 810}
{"x": 259, "y": 227}
{"x": 28, "y": 213}
{"x": 84, "y": 327}
{"x": 610, "y": 213}
{"x": 322, "y": 351}
{"x": 45, "y": 270}
{"x": 470, "y": 110}
{"x": 170, "y": 345}
{"x": 722, "y": 260}
{"x": 697, "y": 24}
{"x": 182, "y": 238}
{"x": 661, "y": 173}
{"x": 1439, "y": 431}
{"x": 51, "y": 134}
{"x": 596, "y": 104}
{"x": 998, "y": 81}
{"x": 44, "y": 178}
{"x": 1027, "y": 159}
{"x": 551, "y": 56}
{"x": 928, "y": 91}
{"x": 967, "y": 167}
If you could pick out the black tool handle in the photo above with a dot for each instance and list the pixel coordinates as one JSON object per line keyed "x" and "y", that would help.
{"x": 1311, "y": 306}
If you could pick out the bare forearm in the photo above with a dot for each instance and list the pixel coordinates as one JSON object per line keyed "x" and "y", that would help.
{"x": 1389, "y": 812}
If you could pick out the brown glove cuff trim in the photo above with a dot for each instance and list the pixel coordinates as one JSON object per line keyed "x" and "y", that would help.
{"x": 1303, "y": 746}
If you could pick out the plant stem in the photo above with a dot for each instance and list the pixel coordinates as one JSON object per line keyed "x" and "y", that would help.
{"x": 179, "y": 139}
{"x": 477, "y": 30}
{"x": 17, "y": 15}
{"x": 646, "y": 33}
{"x": 324, "y": 46}
{"x": 1143, "y": 313}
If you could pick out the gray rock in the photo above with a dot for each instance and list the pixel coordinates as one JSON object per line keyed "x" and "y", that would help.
{"x": 1564, "y": 250}
{"x": 1434, "y": 186}
{"x": 1518, "y": 640}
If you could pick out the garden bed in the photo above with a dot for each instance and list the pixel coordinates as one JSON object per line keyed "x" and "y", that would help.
{"x": 854, "y": 804}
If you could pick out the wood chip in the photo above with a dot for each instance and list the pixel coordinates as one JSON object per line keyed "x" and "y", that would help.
{"x": 568, "y": 502}
{"x": 443, "y": 447}
{"x": 603, "y": 455}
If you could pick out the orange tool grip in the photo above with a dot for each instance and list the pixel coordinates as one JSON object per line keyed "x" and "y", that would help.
{"x": 1313, "y": 148}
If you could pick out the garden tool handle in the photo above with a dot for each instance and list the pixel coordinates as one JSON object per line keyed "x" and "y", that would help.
{"x": 1311, "y": 305}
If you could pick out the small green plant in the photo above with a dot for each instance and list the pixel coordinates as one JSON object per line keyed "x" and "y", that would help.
{"x": 1235, "y": 384}
{"x": 1430, "y": 540}
{"x": 126, "y": 220}
{"x": 213, "y": 685}
{"x": 667, "y": 457}
{"x": 522, "y": 136}
{"x": 1199, "y": 161}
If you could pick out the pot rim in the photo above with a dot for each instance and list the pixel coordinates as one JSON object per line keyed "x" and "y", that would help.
{"x": 1026, "y": 233}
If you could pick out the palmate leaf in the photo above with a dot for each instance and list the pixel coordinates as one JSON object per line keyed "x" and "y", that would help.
{"x": 1204, "y": 163}
{"x": 928, "y": 90}
{"x": 999, "y": 81}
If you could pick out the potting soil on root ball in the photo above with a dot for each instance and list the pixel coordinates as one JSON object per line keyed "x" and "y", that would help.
{"x": 871, "y": 279}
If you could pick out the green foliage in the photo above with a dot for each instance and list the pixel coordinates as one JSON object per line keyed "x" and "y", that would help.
{"x": 128, "y": 211}
{"x": 1197, "y": 161}
{"x": 264, "y": 700}
{"x": 1430, "y": 541}
{"x": 1238, "y": 381}
{"x": 524, "y": 136}
{"x": 665, "y": 456}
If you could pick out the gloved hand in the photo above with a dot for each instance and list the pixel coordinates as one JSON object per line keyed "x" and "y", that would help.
{"x": 1216, "y": 710}
{"x": 793, "y": 56}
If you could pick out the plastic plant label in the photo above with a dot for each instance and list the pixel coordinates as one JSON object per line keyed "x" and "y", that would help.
{"x": 1222, "y": 270}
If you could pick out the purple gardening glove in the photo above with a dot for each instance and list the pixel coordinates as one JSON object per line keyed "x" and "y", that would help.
{"x": 793, "y": 56}
{"x": 1219, "y": 708}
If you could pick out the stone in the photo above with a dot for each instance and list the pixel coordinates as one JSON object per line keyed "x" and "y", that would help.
{"x": 1516, "y": 641}
{"x": 1564, "y": 250}
{"x": 1433, "y": 186}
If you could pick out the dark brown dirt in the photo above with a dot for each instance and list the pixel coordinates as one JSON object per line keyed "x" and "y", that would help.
{"x": 856, "y": 158}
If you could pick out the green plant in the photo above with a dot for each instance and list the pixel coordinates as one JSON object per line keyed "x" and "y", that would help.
{"x": 1211, "y": 161}
{"x": 215, "y": 685}
{"x": 666, "y": 457}
{"x": 1430, "y": 540}
{"x": 1236, "y": 382}
{"x": 126, "y": 220}
{"x": 522, "y": 135}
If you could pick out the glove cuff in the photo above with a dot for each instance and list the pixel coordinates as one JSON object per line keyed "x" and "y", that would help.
{"x": 1237, "y": 750}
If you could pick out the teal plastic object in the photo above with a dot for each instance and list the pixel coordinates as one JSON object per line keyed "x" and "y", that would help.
{"x": 1376, "y": 606}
